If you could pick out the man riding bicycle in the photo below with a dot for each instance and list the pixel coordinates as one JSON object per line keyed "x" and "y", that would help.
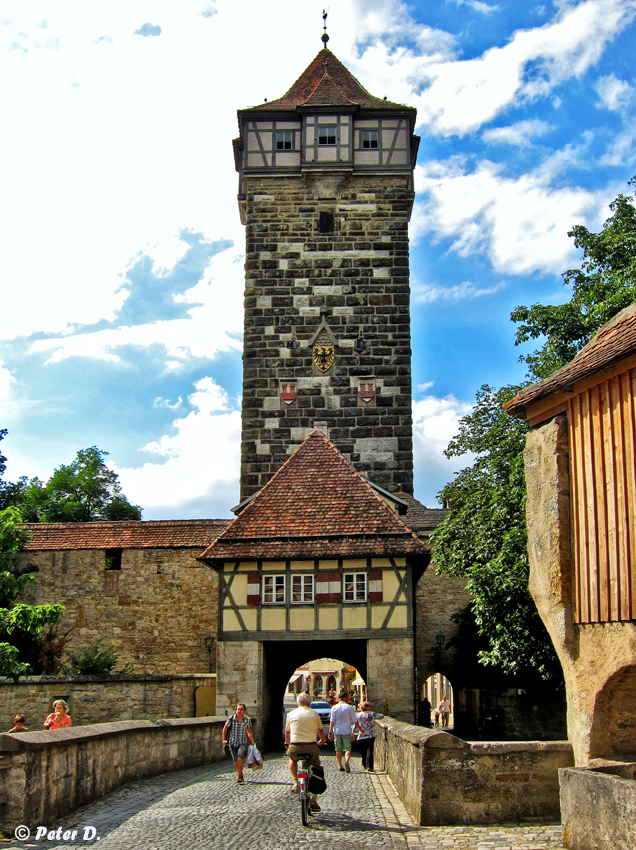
{"x": 303, "y": 724}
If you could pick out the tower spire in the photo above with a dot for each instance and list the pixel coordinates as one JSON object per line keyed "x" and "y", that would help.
{"x": 324, "y": 38}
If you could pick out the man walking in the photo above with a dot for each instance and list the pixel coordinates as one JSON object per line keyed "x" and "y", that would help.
{"x": 444, "y": 710}
{"x": 342, "y": 723}
{"x": 303, "y": 724}
{"x": 236, "y": 731}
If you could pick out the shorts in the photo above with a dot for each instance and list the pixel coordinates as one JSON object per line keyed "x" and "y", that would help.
{"x": 342, "y": 743}
{"x": 293, "y": 751}
{"x": 239, "y": 751}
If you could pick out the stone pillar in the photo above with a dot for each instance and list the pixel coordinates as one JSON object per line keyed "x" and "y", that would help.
{"x": 239, "y": 665}
{"x": 390, "y": 677}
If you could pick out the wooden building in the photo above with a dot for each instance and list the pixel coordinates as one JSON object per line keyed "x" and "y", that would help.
{"x": 581, "y": 477}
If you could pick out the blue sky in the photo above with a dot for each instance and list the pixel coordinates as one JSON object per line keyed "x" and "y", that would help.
{"x": 121, "y": 260}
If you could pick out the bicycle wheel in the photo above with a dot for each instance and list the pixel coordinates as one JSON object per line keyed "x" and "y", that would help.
{"x": 305, "y": 805}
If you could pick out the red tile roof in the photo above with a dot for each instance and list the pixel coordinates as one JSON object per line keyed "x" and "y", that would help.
{"x": 152, "y": 534}
{"x": 419, "y": 518}
{"x": 613, "y": 342}
{"x": 316, "y": 505}
{"x": 336, "y": 87}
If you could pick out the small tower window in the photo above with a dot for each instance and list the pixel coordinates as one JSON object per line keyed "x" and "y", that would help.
{"x": 326, "y": 222}
{"x": 327, "y": 136}
{"x": 284, "y": 140}
{"x": 370, "y": 139}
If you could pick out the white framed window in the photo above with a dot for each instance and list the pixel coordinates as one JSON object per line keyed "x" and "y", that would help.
{"x": 354, "y": 587}
{"x": 284, "y": 140}
{"x": 327, "y": 136}
{"x": 274, "y": 589}
{"x": 302, "y": 589}
{"x": 369, "y": 139}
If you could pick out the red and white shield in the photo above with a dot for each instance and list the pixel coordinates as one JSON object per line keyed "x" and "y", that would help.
{"x": 367, "y": 390}
{"x": 288, "y": 391}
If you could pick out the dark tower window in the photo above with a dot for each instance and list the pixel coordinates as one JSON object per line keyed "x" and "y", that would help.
{"x": 326, "y": 222}
{"x": 370, "y": 139}
{"x": 327, "y": 136}
{"x": 284, "y": 140}
{"x": 112, "y": 561}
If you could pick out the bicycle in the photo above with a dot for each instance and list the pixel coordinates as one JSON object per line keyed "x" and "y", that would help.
{"x": 304, "y": 775}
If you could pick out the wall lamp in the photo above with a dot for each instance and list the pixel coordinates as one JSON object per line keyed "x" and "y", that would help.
{"x": 209, "y": 643}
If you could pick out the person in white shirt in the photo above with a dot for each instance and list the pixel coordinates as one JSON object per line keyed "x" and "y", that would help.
{"x": 444, "y": 710}
{"x": 303, "y": 724}
{"x": 341, "y": 725}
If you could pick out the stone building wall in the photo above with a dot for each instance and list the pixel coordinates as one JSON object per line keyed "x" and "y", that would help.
{"x": 356, "y": 280}
{"x": 155, "y": 611}
{"x": 437, "y": 598}
{"x": 94, "y": 699}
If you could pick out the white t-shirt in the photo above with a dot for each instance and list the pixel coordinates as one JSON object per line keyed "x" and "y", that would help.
{"x": 303, "y": 724}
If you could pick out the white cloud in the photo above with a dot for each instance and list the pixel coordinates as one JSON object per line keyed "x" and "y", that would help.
{"x": 435, "y": 423}
{"x": 614, "y": 94}
{"x": 519, "y": 134}
{"x": 424, "y": 293}
{"x": 463, "y": 95}
{"x": 6, "y": 382}
{"x": 215, "y": 315}
{"x": 521, "y": 223}
{"x": 200, "y": 462}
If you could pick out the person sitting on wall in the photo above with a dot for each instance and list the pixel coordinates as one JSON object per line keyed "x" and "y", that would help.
{"x": 18, "y": 724}
{"x": 59, "y": 718}
{"x": 236, "y": 731}
{"x": 303, "y": 724}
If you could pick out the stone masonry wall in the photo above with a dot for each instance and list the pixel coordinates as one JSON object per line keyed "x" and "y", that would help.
{"x": 44, "y": 775}
{"x": 155, "y": 611}
{"x": 356, "y": 280}
{"x": 99, "y": 700}
{"x": 443, "y": 780}
{"x": 390, "y": 677}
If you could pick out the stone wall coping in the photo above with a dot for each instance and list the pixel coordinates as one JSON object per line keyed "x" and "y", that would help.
{"x": 21, "y": 741}
{"x": 600, "y": 776}
{"x": 128, "y": 677}
{"x": 420, "y": 736}
{"x": 501, "y": 747}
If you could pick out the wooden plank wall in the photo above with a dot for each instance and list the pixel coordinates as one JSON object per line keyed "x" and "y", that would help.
{"x": 602, "y": 430}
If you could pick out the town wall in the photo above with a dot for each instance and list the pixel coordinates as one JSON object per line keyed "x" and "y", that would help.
{"x": 93, "y": 699}
{"x": 155, "y": 612}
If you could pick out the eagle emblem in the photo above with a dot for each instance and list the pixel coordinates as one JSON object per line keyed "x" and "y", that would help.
{"x": 323, "y": 356}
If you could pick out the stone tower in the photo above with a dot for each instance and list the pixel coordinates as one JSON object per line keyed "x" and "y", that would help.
{"x": 326, "y": 192}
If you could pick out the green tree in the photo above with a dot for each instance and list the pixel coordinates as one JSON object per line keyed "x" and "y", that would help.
{"x": 603, "y": 285}
{"x": 17, "y": 620}
{"x": 483, "y": 538}
{"x": 85, "y": 490}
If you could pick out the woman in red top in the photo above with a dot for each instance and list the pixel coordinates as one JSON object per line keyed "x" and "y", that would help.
{"x": 59, "y": 719}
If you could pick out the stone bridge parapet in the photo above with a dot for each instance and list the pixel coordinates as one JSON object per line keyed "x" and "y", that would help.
{"x": 445, "y": 781}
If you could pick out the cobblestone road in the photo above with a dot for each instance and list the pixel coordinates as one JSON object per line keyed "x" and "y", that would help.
{"x": 205, "y": 809}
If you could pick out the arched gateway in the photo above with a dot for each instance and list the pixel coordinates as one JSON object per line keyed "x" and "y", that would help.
{"x": 318, "y": 563}
{"x": 318, "y": 555}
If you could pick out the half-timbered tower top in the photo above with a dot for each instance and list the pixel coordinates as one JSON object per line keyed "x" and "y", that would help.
{"x": 327, "y": 120}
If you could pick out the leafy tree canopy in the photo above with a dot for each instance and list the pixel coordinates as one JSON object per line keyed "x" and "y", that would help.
{"x": 483, "y": 538}
{"x": 82, "y": 491}
{"x": 603, "y": 285}
{"x": 16, "y": 617}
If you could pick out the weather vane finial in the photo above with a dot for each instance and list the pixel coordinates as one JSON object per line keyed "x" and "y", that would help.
{"x": 324, "y": 37}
